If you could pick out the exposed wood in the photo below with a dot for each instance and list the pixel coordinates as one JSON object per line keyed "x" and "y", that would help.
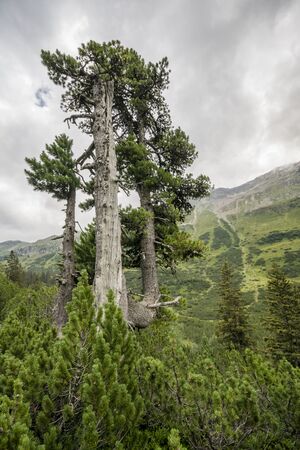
{"x": 160, "y": 304}
{"x": 86, "y": 154}
{"x": 108, "y": 266}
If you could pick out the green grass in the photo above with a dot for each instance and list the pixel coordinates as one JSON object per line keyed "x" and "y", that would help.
{"x": 248, "y": 243}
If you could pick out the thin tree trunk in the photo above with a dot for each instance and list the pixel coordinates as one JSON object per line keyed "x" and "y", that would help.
{"x": 148, "y": 261}
{"x": 67, "y": 280}
{"x": 108, "y": 265}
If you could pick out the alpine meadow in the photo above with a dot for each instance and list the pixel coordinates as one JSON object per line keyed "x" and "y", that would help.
{"x": 172, "y": 323}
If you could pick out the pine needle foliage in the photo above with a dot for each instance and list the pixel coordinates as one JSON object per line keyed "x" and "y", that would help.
{"x": 54, "y": 172}
{"x": 283, "y": 320}
{"x": 92, "y": 398}
{"x": 233, "y": 328}
{"x": 77, "y": 392}
{"x": 209, "y": 398}
{"x": 13, "y": 268}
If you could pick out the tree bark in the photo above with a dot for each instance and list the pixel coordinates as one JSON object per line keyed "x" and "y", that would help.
{"x": 148, "y": 262}
{"x": 67, "y": 280}
{"x": 148, "y": 256}
{"x": 108, "y": 265}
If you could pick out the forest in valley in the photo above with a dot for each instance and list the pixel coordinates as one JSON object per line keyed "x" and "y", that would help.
{"x": 98, "y": 358}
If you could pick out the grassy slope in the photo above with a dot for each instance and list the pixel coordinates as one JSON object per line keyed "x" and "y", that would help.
{"x": 40, "y": 255}
{"x": 251, "y": 242}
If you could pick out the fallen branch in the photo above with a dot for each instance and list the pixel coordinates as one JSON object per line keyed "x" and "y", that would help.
{"x": 172, "y": 302}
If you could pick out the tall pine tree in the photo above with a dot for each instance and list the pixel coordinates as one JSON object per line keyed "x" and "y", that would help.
{"x": 94, "y": 81}
{"x": 233, "y": 328}
{"x": 13, "y": 268}
{"x": 55, "y": 173}
{"x": 283, "y": 321}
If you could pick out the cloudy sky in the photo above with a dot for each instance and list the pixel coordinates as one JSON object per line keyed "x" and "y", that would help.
{"x": 235, "y": 86}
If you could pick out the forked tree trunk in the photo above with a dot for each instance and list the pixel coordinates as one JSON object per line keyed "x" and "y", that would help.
{"x": 67, "y": 279}
{"x": 108, "y": 266}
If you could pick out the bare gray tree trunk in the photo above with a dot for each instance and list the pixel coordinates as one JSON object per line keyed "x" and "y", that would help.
{"x": 67, "y": 279}
{"x": 108, "y": 266}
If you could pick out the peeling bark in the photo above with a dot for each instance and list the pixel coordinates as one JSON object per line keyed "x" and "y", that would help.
{"x": 108, "y": 266}
{"x": 67, "y": 281}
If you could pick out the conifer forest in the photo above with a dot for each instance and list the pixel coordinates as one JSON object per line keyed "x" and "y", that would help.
{"x": 106, "y": 352}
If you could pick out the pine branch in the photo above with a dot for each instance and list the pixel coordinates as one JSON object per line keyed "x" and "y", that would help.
{"x": 86, "y": 154}
{"x": 75, "y": 117}
{"x": 89, "y": 166}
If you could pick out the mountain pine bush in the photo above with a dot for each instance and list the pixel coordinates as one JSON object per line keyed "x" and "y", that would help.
{"x": 78, "y": 392}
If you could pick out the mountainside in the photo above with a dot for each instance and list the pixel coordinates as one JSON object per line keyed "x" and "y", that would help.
{"x": 277, "y": 186}
{"x": 260, "y": 218}
{"x": 252, "y": 226}
{"x": 34, "y": 256}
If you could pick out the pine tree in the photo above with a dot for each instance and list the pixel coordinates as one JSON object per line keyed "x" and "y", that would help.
{"x": 155, "y": 168}
{"x": 283, "y": 321}
{"x": 152, "y": 160}
{"x": 7, "y": 290}
{"x": 233, "y": 328}
{"x": 92, "y": 397}
{"x": 55, "y": 173}
{"x": 94, "y": 81}
{"x": 13, "y": 268}
{"x": 85, "y": 251}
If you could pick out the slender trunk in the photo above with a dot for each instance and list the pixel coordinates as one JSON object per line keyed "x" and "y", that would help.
{"x": 68, "y": 271}
{"x": 139, "y": 313}
{"x": 108, "y": 265}
{"x": 148, "y": 261}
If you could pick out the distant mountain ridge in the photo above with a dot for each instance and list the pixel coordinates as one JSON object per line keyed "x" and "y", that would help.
{"x": 252, "y": 226}
{"x": 35, "y": 256}
{"x": 280, "y": 184}
{"x": 264, "y": 209}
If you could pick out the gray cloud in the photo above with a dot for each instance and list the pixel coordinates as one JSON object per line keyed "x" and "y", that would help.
{"x": 234, "y": 86}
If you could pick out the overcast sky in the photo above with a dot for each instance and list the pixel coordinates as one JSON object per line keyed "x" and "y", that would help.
{"x": 235, "y": 86}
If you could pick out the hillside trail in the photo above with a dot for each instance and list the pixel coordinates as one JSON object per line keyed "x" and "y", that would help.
{"x": 236, "y": 238}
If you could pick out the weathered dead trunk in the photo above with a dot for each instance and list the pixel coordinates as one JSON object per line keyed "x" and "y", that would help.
{"x": 108, "y": 266}
{"x": 67, "y": 280}
{"x": 148, "y": 256}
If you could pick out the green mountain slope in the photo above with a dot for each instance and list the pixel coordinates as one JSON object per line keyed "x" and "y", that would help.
{"x": 252, "y": 226}
{"x": 34, "y": 256}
